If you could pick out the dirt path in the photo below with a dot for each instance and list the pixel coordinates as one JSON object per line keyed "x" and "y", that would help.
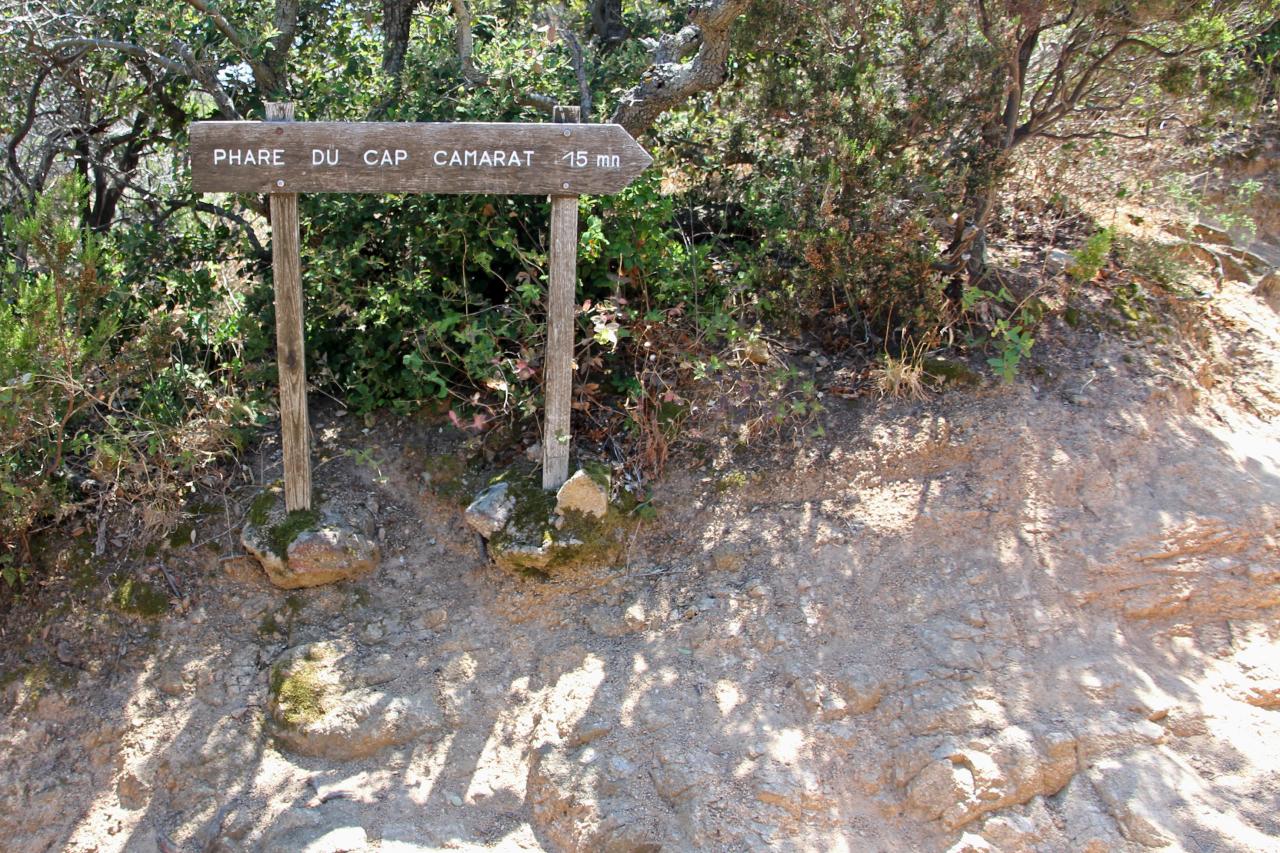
{"x": 1028, "y": 618}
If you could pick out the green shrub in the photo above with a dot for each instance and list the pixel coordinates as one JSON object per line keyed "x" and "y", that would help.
{"x": 110, "y": 387}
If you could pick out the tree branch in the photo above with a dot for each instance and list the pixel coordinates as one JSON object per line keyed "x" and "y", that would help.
{"x": 268, "y": 83}
{"x": 475, "y": 77}
{"x": 208, "y": 81}
{"x": 20, "y": 133}
{"x": 566, "y": 35}
{"x": 467, "y": 45}
{"x": 671, "y": 80}
{"x": 286, "y": 21}
{"x": 232, "y": 216}
{"x": 79, "y": 46}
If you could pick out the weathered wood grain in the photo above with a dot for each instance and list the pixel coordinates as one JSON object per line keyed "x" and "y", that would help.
{"x": 557, "y": 370}
{"x": 403, "y": 157}
{"x": 286, "y": 267}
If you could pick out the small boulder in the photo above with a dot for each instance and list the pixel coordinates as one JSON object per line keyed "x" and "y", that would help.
{"x": 726, "y": 558}
{"x": 491, "y": 509}
{"x": 756, "y": 351}
{"x": 320, "y": 839}
{"x": 1056, "y": 261}
{"x": 327, "y": 700}
{"x": 308, "y": 548}
{"x": 584, "y": 494}
{"x": 942, "y": 790}
{"x": 1268, "y": 289}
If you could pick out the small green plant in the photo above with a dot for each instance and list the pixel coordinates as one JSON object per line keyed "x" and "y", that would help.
{"x": 13, "y": 575}
{"x": 1090, "y": 258}
{"x": 1011, "y": 334}
{"x": 260, "y": 508}
{"x": 1153, "y": 262}
{"x": 1014, "y": 343}
{"x": 1231, "y": 209}
{"x": 731, "y": 481}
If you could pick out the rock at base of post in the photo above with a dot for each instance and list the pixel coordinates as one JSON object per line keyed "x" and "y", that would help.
{"x": 310, "y": 547}
{"x": 535, "y": 532}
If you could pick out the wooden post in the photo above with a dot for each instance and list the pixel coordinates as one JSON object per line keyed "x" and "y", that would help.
{"x": 558, "y": 366}
{"x": 286, "y": 265}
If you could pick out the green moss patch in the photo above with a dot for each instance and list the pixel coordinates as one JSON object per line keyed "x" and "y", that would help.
{"x": 947, "y": 370}
{"x": 533, "y": 504}
{"x": 139, "y": 597}
{"x": 181, "y": 535}
{"x": 299, "y": 692}
{"x": 281, "y": 535}
{"x": 260, "y": 509}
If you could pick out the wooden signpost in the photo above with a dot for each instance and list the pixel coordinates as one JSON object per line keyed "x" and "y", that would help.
{"x": 563, "y": 160}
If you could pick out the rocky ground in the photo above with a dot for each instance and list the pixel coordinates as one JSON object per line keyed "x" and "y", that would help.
{"x": 1035, "y": 617}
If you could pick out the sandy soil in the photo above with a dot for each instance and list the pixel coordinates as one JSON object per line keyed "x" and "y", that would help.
{"x": 1037, "y": 617}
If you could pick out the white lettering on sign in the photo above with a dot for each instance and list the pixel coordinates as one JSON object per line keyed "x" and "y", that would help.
{"x": 249, "y": 156}
{"x": 581, "y": 159}
{"x": 385, "y": 157}
{"x": 324, "y": 156}
{"x": 492, "y": 159}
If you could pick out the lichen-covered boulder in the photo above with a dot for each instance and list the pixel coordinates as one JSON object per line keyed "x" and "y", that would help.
{"x": 312, "y": 547}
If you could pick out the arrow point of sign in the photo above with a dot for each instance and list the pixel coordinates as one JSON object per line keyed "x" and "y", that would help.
{"x": 637, "y": 159}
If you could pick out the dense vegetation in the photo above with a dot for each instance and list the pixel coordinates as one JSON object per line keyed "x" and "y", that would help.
{"x": 832, "y": 170}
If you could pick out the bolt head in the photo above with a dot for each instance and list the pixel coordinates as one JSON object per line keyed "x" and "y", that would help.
{"x": 280, "y": 182}
{"x": 568, "y": 133}
{"x": 565, "y": 185}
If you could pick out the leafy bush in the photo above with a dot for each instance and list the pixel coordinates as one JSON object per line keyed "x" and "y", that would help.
{"x": 110, "y": 389}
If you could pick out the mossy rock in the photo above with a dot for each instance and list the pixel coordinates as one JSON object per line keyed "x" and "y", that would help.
{"x": 540, "y": 539}
{"x": 329, "y": 700}
{"x": 949, "y": 370}
{"x": 307, "y": 548}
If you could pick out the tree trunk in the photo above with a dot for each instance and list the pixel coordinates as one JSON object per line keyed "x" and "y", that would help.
{"x": 606, "y": 22}
{"x": 968, "y": 249}
{"x": 397, "y": 16}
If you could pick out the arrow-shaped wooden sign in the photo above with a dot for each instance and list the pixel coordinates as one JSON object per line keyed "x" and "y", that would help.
{"x": 563, "y": 160}
{"x": 402, "y": 157}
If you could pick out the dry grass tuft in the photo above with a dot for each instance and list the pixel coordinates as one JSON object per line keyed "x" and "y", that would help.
{"x": 902, "y": 377}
